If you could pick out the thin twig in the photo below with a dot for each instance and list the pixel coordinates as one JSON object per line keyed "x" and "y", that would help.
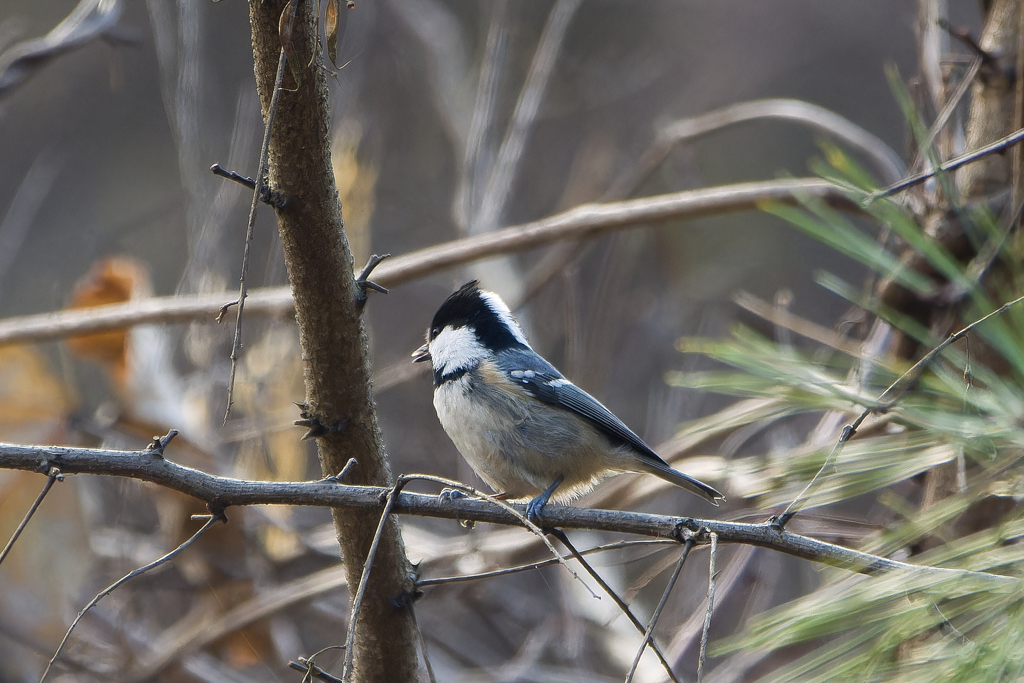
{"x": 649, "y": 633}
{"x": 245, "y": 181}
{"x": 468, "y": 188}
{"x": 210, "y": 519}
{"x": 274, "y": 198}
{"x": 53, "y": 476}
{"x": 583, "y": 221}
{"x": 711, "y": 608}
{"x": 364, "y": 579}
{"x": 815, "y": 116}
{"x": 263, "y": 605}
{"x": 363, "y": 282}
{"x": 535, "y": 565}
{"x": 519, "y": 516}
{"x": 889, "y": 163}
{"x": 619, "y": 602}
{"x": 283, "y": 597}
{"x": 236, "y": 343}
{"x": 951, "y": 165}
{"x": 785, "y": 319}
{"x": 368, "y": 564}
{"x": 423, "y": 646}
{"x": 345, "y": 471}
{"x": 885, "y": 401}
{"x": 499, "y": 184}
{"x": 310, "y": 669}
{"x": 728, "y": 580}
{"x": 965, "y": 37}
{"x": 947, "y": 110}
{"x": 308, "y": 666}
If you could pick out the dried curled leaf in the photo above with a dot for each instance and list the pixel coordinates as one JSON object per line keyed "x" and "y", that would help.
{"x": 285, "y": 30}
{"x": 112, "y": 280}
{"x": 285, "y": 25}
{"x": 331, "y": 28}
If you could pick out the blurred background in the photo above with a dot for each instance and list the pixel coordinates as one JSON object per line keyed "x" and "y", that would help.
{"x": 450, "y": 118}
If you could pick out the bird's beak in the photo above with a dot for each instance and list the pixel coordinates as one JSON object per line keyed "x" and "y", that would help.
{"x": 421, "y": 354}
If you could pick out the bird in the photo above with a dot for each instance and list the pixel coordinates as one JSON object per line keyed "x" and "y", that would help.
{"x": 526, "y": 430}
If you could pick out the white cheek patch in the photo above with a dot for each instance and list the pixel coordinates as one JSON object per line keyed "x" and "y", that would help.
{"x": 456, "y": 349}
{"x": 499, "y": 308}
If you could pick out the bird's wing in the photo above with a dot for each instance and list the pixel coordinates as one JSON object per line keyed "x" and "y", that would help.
{"x": 541, "y": 380}
{"x": 536, "y": 377}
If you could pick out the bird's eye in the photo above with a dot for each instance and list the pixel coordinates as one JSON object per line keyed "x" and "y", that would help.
{"x": 434, "y": 331}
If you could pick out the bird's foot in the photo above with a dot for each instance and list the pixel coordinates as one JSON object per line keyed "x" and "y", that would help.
{"x": 534, "y": 507}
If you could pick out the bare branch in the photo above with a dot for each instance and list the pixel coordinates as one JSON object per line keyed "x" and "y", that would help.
{"x": 590, "y": 220}
{"x": 310, "y": 669}
{"x": 522, "y": 519}
{"x": 210, "y": 519}
{"x": 783, "y": 318}
{"x": 260, "y": 606}
{"x": 947, "y": 111}
{"x": 243, "y": 289}
{"x": 222, "y": 492}
{"x": 91, "y": 19}
{"x": 817, "y": 117}
{"x": 281, "y": 598}
{"x": 168, "y": 309}
{"x": 499, "y": 185}
{"x": 649, "y": 633}
{"x": 711, "y": 608}
{"x": 619, "y": 602}
{"x": 951, "y": 165}
{"x": 587, "y": 220}
{"x": 471, "y": 176}
{"x": 53, "y": 476}
{"x": 535, "y": 565}
{"x": 364, "y": 578}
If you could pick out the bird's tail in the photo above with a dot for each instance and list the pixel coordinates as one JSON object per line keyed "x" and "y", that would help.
{"x": 661, "y": 469}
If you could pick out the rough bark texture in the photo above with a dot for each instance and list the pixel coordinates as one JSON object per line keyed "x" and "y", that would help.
{"x": 336, "y": 368}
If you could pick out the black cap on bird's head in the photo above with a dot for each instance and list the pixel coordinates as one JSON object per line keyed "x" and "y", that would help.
{"x": 482, "y": 311}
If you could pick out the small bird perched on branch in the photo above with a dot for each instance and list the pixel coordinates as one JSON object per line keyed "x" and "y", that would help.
{"x": 525, "y": 429}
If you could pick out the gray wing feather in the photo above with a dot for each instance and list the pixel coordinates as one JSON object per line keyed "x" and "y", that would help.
{"x": 540, "y": 379}
{"x": 570, "y": 396}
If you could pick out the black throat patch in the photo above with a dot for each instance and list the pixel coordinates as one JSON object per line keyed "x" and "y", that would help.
{"x": 440, "y": 379}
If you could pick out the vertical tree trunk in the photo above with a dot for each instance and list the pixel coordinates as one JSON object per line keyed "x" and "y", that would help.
{"x": 994, "y": 113}
{"x": 334, "y": 346}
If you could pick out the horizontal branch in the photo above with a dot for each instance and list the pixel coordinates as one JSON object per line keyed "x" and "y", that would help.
{"x": 222, "y": 492}
{"x": 583, "y": 221}
{"x": 817, "y": 117}
{"x": 268, "y": 301}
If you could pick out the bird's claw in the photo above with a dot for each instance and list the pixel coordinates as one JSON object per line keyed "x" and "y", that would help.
{"x": 447, "y": 495}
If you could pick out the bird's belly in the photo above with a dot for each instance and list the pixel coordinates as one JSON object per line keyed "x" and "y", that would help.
{"x": 515, "y": 449}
